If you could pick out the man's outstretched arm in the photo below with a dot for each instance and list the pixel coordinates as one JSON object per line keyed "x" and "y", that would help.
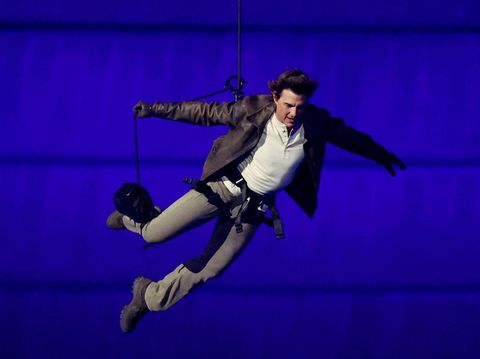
{"x": 198, "y": 113}
{"x": 361, "y": 144}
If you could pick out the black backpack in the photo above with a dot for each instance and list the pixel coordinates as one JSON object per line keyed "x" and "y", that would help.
{"x": 133, "y": 200}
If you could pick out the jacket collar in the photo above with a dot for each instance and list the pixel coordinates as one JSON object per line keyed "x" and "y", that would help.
{"x": 262, "y": 112}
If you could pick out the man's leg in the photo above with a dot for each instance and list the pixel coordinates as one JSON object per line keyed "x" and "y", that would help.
{"x": 189, "y": 211}
{"x": 222, "y": 248}
{"x": 218, "y": 254}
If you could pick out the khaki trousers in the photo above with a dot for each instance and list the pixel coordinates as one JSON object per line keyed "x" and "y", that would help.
{"x": 187, "y": 212}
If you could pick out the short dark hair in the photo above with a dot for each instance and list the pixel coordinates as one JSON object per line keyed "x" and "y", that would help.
{"x": 295, "y": 80}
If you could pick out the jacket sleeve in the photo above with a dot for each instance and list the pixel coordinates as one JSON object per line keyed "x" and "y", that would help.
{"x": 347, "y": 138}
{"x": 199, "y": 113}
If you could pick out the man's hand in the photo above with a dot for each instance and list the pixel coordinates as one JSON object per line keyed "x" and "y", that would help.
{"x": 142, "y": 109}
{"x": 389, "y": 160}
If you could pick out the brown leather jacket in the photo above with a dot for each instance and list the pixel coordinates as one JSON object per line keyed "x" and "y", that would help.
{"x": 247, "y": 119}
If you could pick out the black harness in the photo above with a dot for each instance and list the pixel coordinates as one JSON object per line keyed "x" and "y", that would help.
{"x": 253, "y": 205}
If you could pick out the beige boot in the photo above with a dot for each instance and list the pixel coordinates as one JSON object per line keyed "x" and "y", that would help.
{"x": 137, "y": 308}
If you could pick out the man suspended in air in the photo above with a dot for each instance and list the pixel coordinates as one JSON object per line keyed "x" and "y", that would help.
{"x": 276, "y": 142}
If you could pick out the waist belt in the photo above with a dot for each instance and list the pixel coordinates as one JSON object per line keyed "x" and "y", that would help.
{"x": 251, "y": 202}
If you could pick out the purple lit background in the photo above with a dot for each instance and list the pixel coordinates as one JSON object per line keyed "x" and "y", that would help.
{"x": 388, "y": 267}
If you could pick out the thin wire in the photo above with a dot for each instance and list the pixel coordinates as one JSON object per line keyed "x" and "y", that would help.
{"x": 239, "y": 49}
{"x": 210, "y": 94}
{"x": 137, "y": 158}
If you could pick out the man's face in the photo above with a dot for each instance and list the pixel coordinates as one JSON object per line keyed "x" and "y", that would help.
{"x": 289, "y": 106}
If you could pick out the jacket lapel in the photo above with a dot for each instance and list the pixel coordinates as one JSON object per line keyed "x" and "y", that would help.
{"x": 261, "y": 117}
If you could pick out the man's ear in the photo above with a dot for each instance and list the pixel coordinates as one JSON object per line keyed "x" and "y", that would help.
{"x": 275, "y": 96}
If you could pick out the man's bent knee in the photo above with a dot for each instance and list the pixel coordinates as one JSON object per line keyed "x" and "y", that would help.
{"x": 150, "y": 235}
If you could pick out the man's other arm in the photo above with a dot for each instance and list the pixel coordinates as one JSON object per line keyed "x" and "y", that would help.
{"x": 347, "y": 138}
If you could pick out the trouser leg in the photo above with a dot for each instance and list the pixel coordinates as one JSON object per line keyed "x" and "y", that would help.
{"x": 222, "y": 248}
{"x": 189, "y": 211}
